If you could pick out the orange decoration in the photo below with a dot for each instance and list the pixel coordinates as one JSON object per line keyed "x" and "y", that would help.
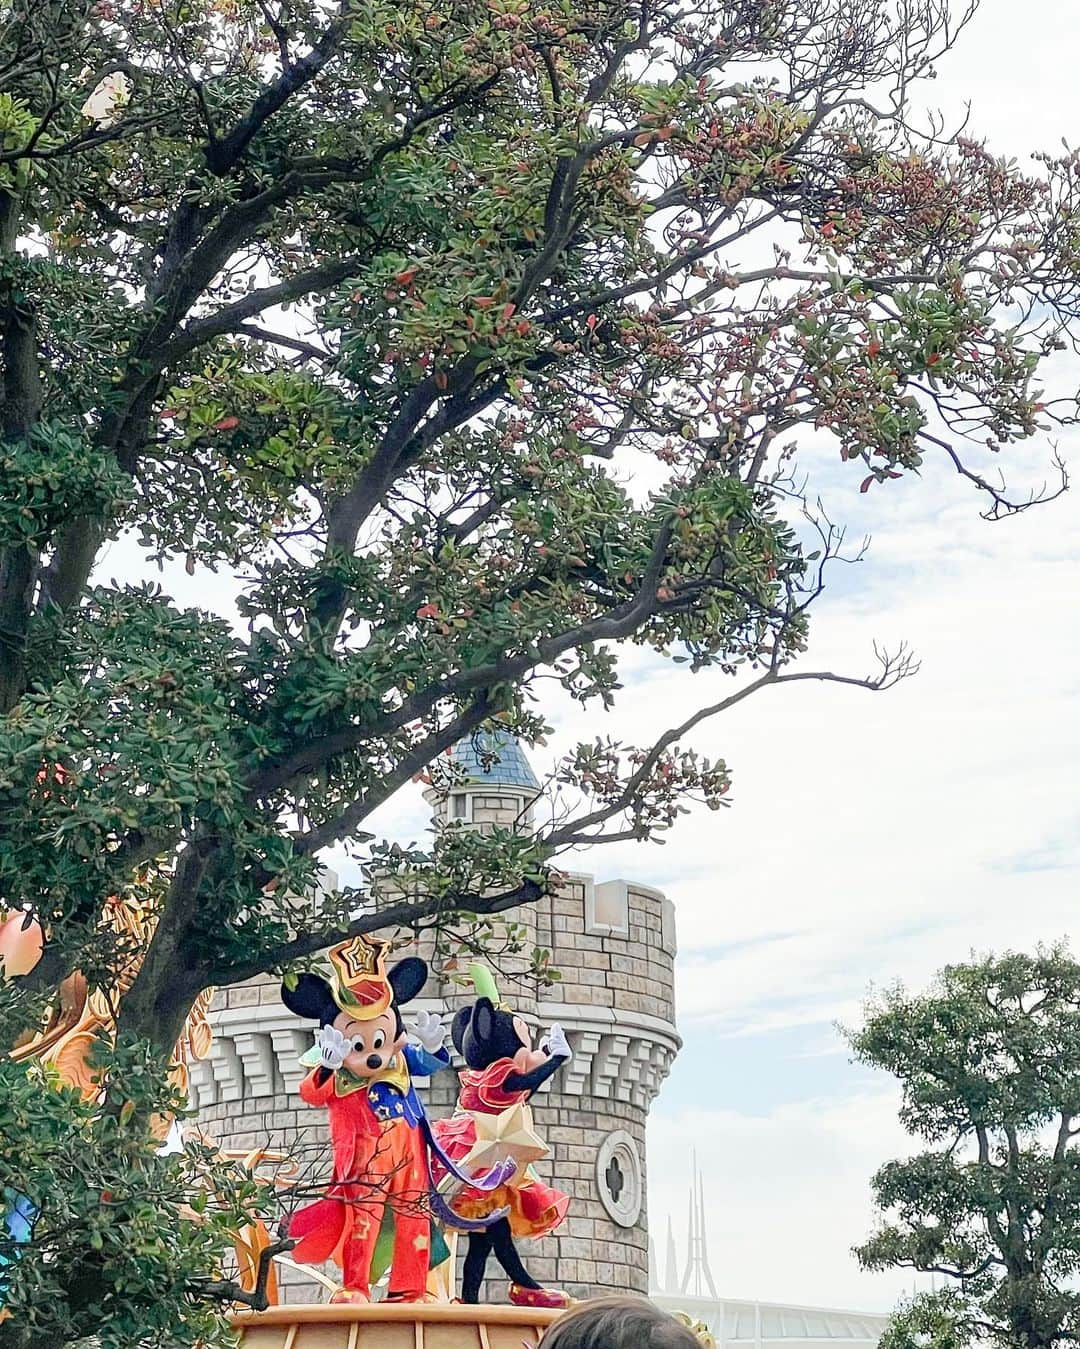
{"x": 21, "y": 942}
{"x": 79, "y": 1014}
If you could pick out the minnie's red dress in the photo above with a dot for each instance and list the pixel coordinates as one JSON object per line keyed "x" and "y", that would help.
{"x": 535, "y": 1208}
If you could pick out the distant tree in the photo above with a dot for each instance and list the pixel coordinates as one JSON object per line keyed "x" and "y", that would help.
{"x": 374, "y": 308}
{"x": 989, "y": 1063}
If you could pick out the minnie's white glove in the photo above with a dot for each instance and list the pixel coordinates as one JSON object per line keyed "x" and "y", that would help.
{"x": 332, "y": 1047}
{"x": 556, "y": 1043}
{"x": 428, "y": 1031}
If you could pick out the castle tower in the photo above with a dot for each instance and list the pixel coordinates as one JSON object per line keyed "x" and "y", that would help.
{"x": 614, "y": 945}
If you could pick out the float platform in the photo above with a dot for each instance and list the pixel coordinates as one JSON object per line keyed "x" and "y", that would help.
{"x": 403, "y": 1326}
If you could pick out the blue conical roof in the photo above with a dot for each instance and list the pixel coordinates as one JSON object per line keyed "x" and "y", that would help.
{"x": 493, "y": 758}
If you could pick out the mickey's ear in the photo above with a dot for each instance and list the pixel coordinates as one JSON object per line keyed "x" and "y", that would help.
{"x": 407, "y": 978}
{"x": 483, "y": 1021}
{"x": 459, "y": 1028}
{"x": 311, "y": 998}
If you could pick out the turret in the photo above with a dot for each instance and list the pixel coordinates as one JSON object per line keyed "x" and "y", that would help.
{"x": 483, "y": 780}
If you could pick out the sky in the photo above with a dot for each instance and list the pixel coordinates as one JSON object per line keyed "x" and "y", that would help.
{"x": 872, "y": 837}
{"x": 875, "y": 838}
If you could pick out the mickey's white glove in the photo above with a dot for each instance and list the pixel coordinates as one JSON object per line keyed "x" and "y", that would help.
{"x": 428, "y": 1031}
{"x": 332, "y": 1047}
{"x": 556, "y": 1043}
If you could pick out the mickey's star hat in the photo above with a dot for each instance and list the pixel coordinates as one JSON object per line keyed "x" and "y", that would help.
{"x": 360, "y": 985}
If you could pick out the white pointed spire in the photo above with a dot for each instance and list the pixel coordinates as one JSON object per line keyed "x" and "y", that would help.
{"x": 697, "y": 1281}
{"x": 671, "y": 1271}
{"x": 703, "y": 1236}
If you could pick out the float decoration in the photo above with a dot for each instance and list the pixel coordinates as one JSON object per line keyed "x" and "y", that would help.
{"x": 385, "y": 1326}
{"x": 698, "y": 1328}
{"x": 80, "y": 1016}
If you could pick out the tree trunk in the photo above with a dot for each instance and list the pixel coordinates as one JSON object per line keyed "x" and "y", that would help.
{"x": 161, "y": 995}
{"x": 21, "y": 401}
{"x": 18, "y": 573}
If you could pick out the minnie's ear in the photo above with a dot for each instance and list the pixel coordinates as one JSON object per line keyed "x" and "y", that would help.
{"x": 459, "y": 1028}
{"x": 311, "y": 998}
{"x": 407, "y": 978}
{"x": 483, "y": 1021}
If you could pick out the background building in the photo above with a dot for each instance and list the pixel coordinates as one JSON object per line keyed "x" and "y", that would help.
{"x": 614, "y": 943}
{"x": 688, "y": 1286}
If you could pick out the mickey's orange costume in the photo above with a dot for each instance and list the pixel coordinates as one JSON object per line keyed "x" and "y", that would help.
{"x": 362, "y": 1076}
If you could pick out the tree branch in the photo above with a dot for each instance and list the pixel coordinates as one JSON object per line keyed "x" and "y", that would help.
{"x": 894, "y": 669}
{"x": 222, "y": 155}
{"x": 418, "y": 758}
{"x": 403, "y": 914}
{"x": 202, "y": 330}
{"x": 229, "y": 1291}
{"x": 307, "y": 349}
{"x": 619, "y": 622}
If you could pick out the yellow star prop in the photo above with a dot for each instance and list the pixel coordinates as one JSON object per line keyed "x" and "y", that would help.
{"x": 361, "y": 956}
{"x": 506, "y": 1136}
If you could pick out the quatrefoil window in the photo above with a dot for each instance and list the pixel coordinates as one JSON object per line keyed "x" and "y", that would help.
{"x": 619, "y": 1178}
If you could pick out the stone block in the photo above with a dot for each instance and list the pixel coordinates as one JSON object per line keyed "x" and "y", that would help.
{"x": 584, "y": 1153}
{"x": 579, "y": 1269}
{"x": 576, "y": 1248}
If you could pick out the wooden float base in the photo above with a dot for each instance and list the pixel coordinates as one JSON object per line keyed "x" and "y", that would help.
{"x": 415, "y": 1325}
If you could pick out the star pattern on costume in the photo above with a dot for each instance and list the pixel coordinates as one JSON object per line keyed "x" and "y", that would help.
{"x": 507, "y": 1136}
{"x": 361, "y": 956}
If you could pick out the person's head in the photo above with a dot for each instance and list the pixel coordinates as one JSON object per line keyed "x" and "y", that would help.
{"x": 619, "y": 1323}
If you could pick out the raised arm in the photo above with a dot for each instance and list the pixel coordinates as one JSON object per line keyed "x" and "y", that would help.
{"x": 534, "y": 1080}
{"x": 560, "y": 1053}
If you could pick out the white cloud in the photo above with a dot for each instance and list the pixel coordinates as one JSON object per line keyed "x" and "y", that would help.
{"x": 878, "y": 838}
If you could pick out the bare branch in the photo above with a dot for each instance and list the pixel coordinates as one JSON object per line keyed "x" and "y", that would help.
{"x": 894, "y": 668}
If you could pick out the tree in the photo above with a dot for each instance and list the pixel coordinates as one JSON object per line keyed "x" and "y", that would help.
{"x": 989, "y": 1063}
{"x": 125, "y": 1237}
{"x": 374, "y": 309}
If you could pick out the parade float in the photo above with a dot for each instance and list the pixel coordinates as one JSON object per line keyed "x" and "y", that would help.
{"x": 402, "y": 1326}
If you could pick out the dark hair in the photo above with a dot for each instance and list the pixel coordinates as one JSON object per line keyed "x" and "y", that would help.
{"x": 619, "y": 1323}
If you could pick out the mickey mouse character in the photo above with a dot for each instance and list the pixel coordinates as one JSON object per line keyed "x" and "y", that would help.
{"x": 502, "y": 1072}
{"x": 362, "y": 1072}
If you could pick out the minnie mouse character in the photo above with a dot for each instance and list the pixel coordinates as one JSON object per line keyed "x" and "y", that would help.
{"x": 362, "y": 1069}
{"x": 502, "y": 1072}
